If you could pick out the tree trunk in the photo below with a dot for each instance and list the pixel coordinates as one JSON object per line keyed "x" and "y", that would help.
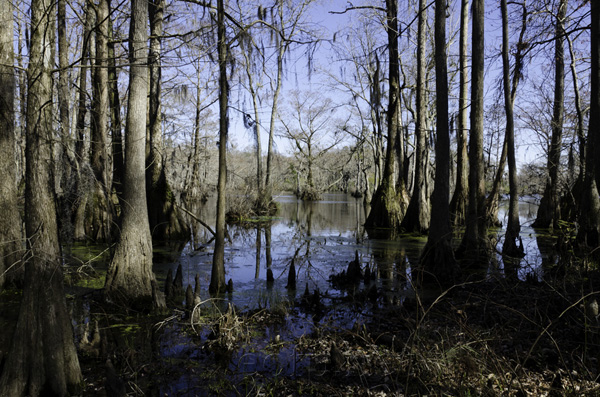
{"x": 217, "y": 276}
{"x": 548, "y": 213}
{"x": 114, "y": 101}
{"x": 437, "y": 262}
{"x": 83, "y": 178}
{"x": 129, "y": 276}
{"x": 165, "y": 220}
{"x": 67, "y": 170}
{"x": 100, "y": 210}
{"x": 513, "y": 227}
{"x": 387, "y": 207}
{"x": 42, "y": 358}
{"x": 418, "y": 212}
{"x": 569, "y": 206}
{"x": 588, "y": 235}
{"x": 458, "y": 204}
{"x": 10, "y": 221}
{"x": 475, "y": 245}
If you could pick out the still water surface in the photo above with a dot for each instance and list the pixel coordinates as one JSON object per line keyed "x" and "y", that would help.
{"x": 322, "y": 237}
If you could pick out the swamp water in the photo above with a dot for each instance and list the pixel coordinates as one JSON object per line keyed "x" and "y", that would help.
{"x": 320, "y": 238}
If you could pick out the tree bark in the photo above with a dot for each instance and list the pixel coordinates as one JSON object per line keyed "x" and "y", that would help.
{"x": 548, "y": 213}
{"x": 129, "y": 276}
{"x": 100, "y": 210}
{"x": 83, "y": 178}
{"x": 437, "y": 261}
{"x": 388, "y": 207}
{"x": 165, "y": 220}
{"x": 475, "y": 245}
{"x": 10, "y": 221}
{"x": 458, "y": 204}
{"x": 217, "y": 276}
{"x": 588, "y": 235}
{"x": 417, "y": 214}
{"x": 118, "y": 160}
{"x": 42, "y": 357}
{"x": 510, "y": 247}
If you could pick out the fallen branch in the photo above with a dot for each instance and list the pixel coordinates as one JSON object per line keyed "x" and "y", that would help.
{"x": 197, "y": 219}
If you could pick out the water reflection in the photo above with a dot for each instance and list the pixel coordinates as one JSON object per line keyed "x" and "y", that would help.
{"x": 322, "y": 238}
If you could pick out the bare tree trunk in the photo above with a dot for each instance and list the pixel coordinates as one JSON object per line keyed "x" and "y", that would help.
{"x": 437, "y": 261}
{"x": 100, "y": 210}
{"x": 588, "y": 236}
{"x": 116, "y": 126}
{"x": 83, "y": 178}
{"x": 10, "y": 221}
{"x": 165, "y": 220}
{"x": 475, "y": 244}
{"x": 458, "y": 204}
{"x": 217, "y": 277}
{"x": 513, "y": 227}
{"x": 388, "y": 207}
{"x": 129, "y": 276}
{"x": 548, "y": 213}
{"x": 418, "y": 213}
{"x": 42, "y": 356}
{"x": 67, "y": 169}
{"x": 492, "y": 202}
{"x": 569, "y": 206}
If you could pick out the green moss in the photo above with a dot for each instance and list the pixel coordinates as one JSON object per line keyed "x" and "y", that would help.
{"x": 92, "y": 282}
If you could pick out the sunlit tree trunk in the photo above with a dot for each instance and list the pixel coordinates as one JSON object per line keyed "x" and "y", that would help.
{"x": 10, "y": 221}
{"x": 548, "y": 213}
{"x": 418, "y": 213}
{"x": 129, "y": 276}
{"x": 217, "y": 277}
{"x": 42, "y": 357}
{"x": 437, "y": 261}
{"x": 458, "y": 204}
{"x": 474, "y": 244}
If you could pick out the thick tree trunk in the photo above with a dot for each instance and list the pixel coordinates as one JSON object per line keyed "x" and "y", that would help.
{"x": 10, "y": 221}
{"x": 217, "y": 277}
{"x": 42, "y": 358}
{"x": 388, "y": 207}
{"x": 417, "y": 214}
{"x": 437, "y": 261}
{"x": 548, "y": 213}
{"x": 165, "y": 220}
{"x": 129, "y": 277}
{"x": 475, "y": 245}
{"x": 458, "y": 204}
